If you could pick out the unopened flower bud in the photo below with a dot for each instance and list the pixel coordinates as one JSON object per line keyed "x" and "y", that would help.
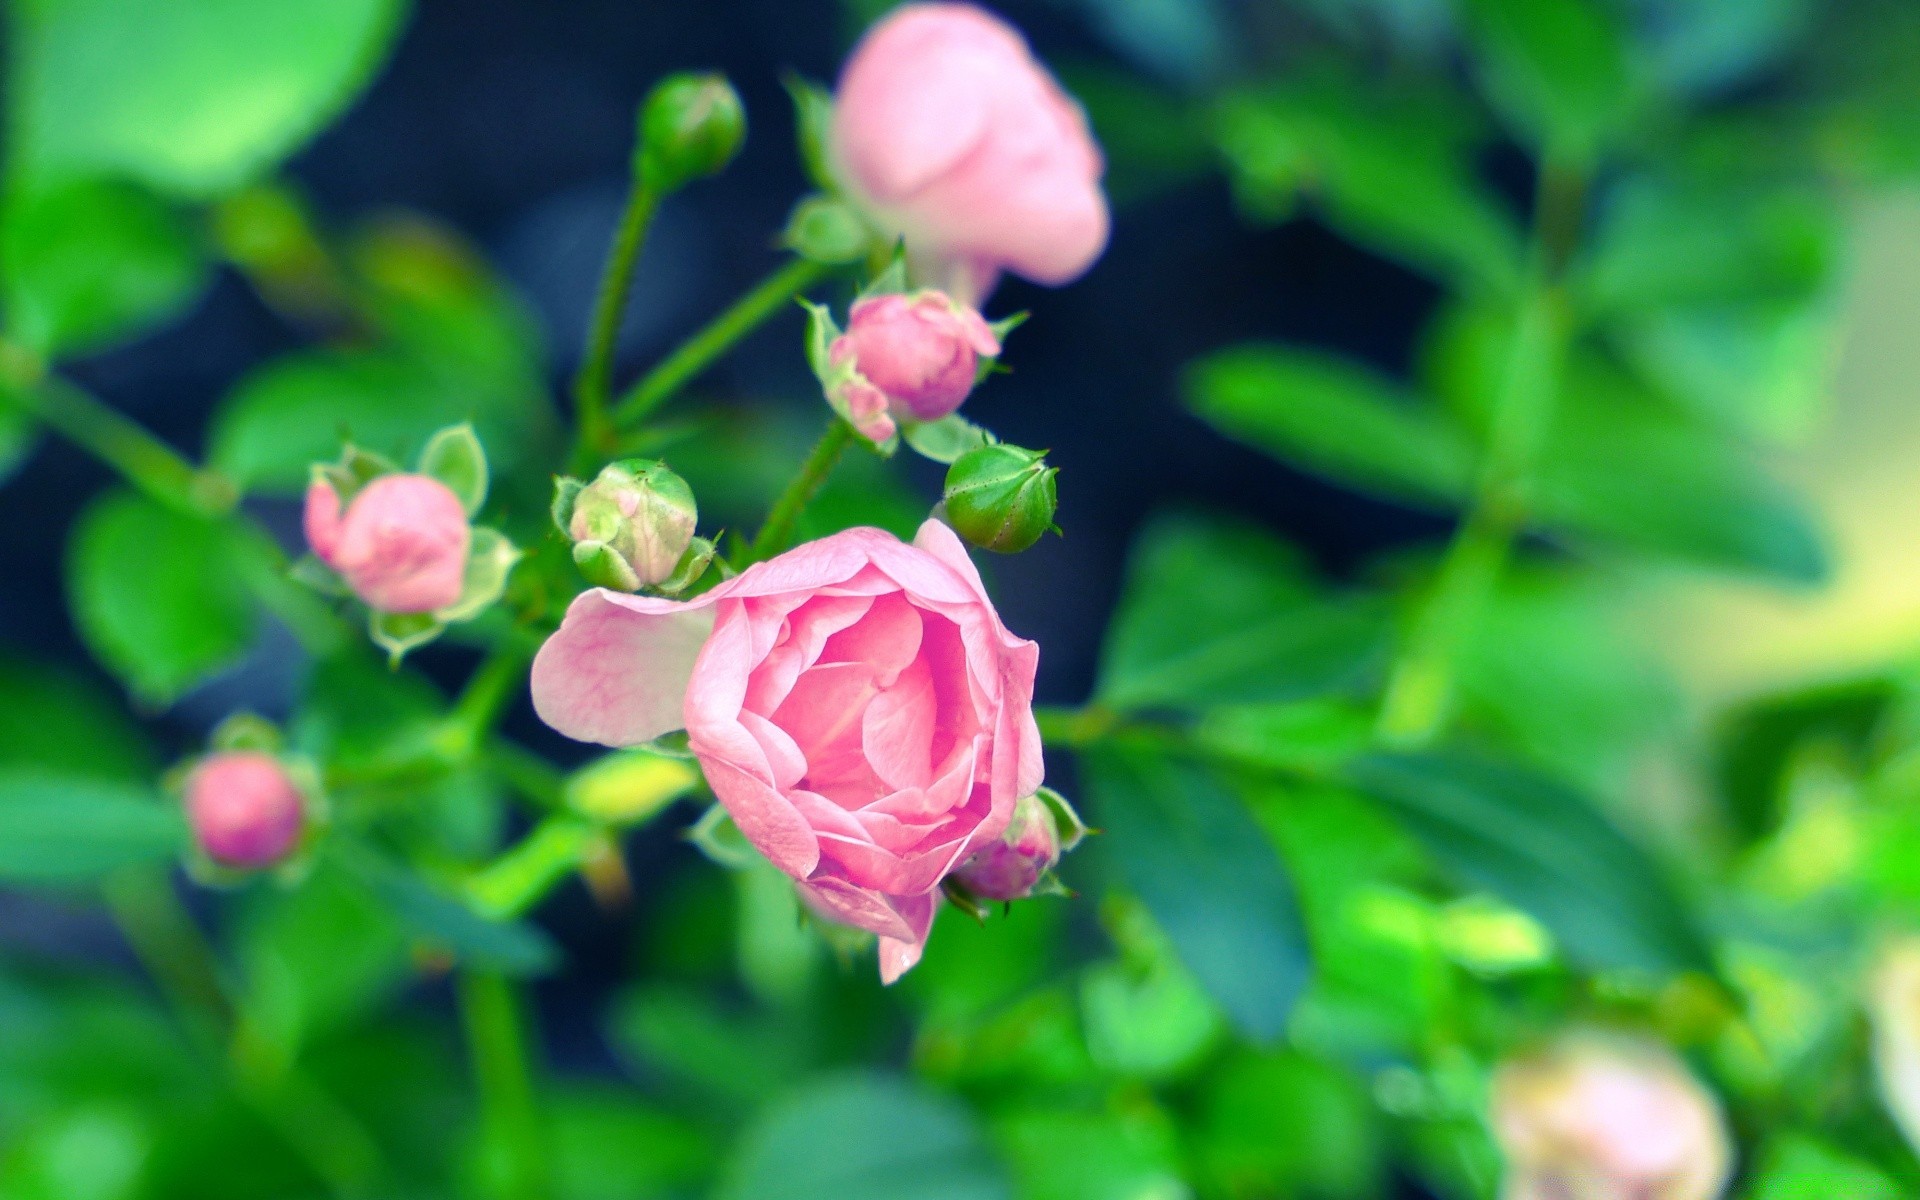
{"x": 691, "y": 126}
{"x": 401, "y": 544}
{"x": 632, "y": 525}
{"x": 1001, "y": 497}
{"x": 244, "y": 809}
{"x": 921, "y": 351}
{"x": 1599, "y": 1118}
{"x": 1042, "y": 827}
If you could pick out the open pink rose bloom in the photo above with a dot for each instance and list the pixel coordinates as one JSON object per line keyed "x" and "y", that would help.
{"x": 401, "y": 545}
{"x": 855, "y": 703}
{"x": 951, "y": 134}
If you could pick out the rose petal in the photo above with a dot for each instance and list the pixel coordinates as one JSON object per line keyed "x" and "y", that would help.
{"x": 615, "y": 674}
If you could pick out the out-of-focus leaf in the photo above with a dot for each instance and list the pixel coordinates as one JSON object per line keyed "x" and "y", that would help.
{"x": 1758, "y": 743}
{"x": 1186, "y": 846}
{"x": 608, "y": 1145}
{"x": 448, "y": 923}
{"x": 1310, "y": 737}
{"x": 88, "y": 1152}
{"x": 156, "y": 594}
{"x": 1762, "y": 369}
{"x": 1216, "y": 613}
{"x": 192, "y": 96}
{"x": 1151, "y": 1024}
{"x": 64, "y": 723}
{"x": 68, "y": 829}
{"x": 1153, "y": 139}
{"x": 1080, "y": 1154}
{"x": 1334, "y": 418}
{"x": 1798, "y": 1167}
{"x": 19, "y": 434}
{"x": 1702, "y": 46}
{"x": 862, "y": 1137}
{"x": 93, "y": 261}
{"x": 1283, "y": 1124}
{"x": 1557, "y": 69}
{"x": 1390, "y": 171}
{"x": 1545, "y": 848}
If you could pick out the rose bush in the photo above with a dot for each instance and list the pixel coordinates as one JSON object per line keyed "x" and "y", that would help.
{"x": 856, "y": 704}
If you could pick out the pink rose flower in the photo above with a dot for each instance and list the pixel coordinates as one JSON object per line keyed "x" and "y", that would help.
{"x": 855, "y": 703}
{"x": 909, "y": 358}
{"x": 244, "y": 809}
{"x": 401, "y": 545}
{"x": 949, "y": 133}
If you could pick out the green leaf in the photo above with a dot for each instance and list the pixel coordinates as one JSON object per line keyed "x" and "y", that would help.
{"x": 1543, "y": 847}
{"x": 66, "y": 829}
{"x": 1333, "y": 418}
{"x": 442, "y": 920}
{"x": 1799, "y": 1167}
{"x": 19, "y": 434}
{"x": 1283, "y": 1124}
{"x": 64, "y": 723}
{"x": 1557, "y": 69}
{"x": 92, "y": 262}
{"x": 1112, "y": 1152}
{"x": 1215, "y": 613}
{"x": 862, "y": 1137}
{"x": 156, "y": 594}
{"x": 192, "y": 96}
{"x": 1211, "y": 878}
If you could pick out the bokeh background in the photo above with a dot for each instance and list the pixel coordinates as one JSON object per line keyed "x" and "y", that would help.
{"x": 512, "y": 124}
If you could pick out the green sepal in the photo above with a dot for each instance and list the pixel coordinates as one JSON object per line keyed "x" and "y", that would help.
{"x": 693, "y": 564}
{"x": 455, "y": 457}
{"x": 716, "y": 836}
{"x": 945, "y": 440}
{"x": 813, "y": 127}
{"x": 490, "y": 559}
{"x": 400, "y": 633}
{"x": 602, "y": 566}
{"x": 566, "y": 490}
{"x": 892, "y": 279}
{"x": 247, "y": 731}
{"x": 313, "y": 573}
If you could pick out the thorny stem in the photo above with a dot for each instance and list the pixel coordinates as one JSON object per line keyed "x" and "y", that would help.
{"x": 592, "y": 385}
{"x": 699, "y": 351}
{"x": 1419, "y": 692}
{"x": 800, "y": 490}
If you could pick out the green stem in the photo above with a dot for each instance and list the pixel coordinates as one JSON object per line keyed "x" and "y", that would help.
{"x": 519, "y": 879}
{"x": 699, "y": 351}
{"x": 591, "y": 387}
{"x": 172, "y": 951}
{"x": 527, "y": 773}
{"x": 510, "y": 1122}
{"x": 488, "y": 691}
{"x": 1419, "y": 691}
{"x": 800, "y": 490}
{"x": 144, "y": 460}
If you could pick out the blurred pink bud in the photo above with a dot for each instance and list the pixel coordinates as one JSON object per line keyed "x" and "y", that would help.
{"x": 951, "y": 134}
{"x": 401, "y": 545}
{"x": 1010, "y": 868}
{"x": 1600, "y": 1118}
{"x": 921, "y": 353}
{"x": 244, "y": 809}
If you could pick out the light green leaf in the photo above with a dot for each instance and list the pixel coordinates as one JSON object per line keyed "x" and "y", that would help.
{"x": 156, "y": 594}
{"x": 1216, "y": 614}
{"x": 60, "y": 828}
{"x": 1799, "y": 1167}
{"x": 1543, "y": 847}
{"x": 862, "y": 1137}
{"x": 91, "y": 262}
{"x": 1210, "y": 876}
{"x": 1109, "y": 1151}
{"x": 1557, "y": 69}
{"x": 947, "y": 439}
{"x": 192, "y": 96}
{"x": 1334, "y": 418}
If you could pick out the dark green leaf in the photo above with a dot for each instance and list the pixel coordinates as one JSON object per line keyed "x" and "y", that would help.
{"x": 1543, "y": 847}
{"x": 93, "y": 262}
{"x": 1557, "y": 69}
{"x": 156, "y": 594}
{"x": 862, "y": 1137}
{"x": 64, "y": 829}
{"x": 1218, "y": 614}
{"x": 442, "y": 919}
{"x": 1077, "y": 1154}
{"x": 1333, "y": 418}
{"x": 1211, "y": 878}
{"x": 193, "y": 96}
{"x": 64, "y": 723}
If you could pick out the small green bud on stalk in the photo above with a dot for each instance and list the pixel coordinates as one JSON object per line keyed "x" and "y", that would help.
{"x": 1001, "y": 497}
{"x": 691, "y": 126}
{"x": 632, "y": 526}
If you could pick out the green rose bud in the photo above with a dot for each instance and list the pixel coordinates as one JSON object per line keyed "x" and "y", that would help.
{"x": 691, "y": 126}
{"x": 1001, "y": 497}
{"x": 631, "y": 526}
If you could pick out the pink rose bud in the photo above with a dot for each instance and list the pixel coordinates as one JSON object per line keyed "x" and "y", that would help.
{"x": 401, "y": 545}
{"x": 920, "y": 353}
{"x": 949, "y": 133}
{"x": 244, "y": 809}
{"x": 1028, "y": 849}
{"x": 1610, "y": 1119}
{"x": 855, "y": 704}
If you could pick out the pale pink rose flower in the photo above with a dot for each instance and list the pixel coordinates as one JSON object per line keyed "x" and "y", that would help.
{"x": 921, "y": 352}
{"x": 1604, "y": 1118}
{"x": 951, "y": 134}
{"x": 855, "y": 703}
{"x": 244, "y": 809}
{"x": 401, "y": 545}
